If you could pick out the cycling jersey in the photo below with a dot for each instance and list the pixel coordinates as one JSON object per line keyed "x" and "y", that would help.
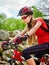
{"x": 42, "y": 35}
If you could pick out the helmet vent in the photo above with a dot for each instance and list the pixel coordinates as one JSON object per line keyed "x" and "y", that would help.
{"x": 25, "y": 10}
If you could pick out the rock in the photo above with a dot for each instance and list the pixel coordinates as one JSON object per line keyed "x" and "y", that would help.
{"x": 4, "y": 35}
{"x": 16, "y": 32}
{"x": 13, "y": 33}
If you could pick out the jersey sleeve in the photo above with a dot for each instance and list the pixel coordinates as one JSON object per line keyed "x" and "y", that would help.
{"x": 43, "y": 23}
{"x": 40, "y": 19}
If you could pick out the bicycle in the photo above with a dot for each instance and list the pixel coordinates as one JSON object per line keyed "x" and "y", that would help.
{"x": 17, "y": 59}
{"x": 18, "y": 56}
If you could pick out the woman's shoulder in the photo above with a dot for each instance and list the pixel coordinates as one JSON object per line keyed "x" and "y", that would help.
{"x": 39, "y": 18}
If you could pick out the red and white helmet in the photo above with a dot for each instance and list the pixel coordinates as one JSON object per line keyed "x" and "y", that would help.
{"x": 25, "y": 10}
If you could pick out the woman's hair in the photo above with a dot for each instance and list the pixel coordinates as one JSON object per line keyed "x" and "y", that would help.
{"x": 31, "y": 40}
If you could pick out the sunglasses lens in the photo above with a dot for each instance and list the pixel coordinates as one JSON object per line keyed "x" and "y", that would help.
{"x": 24, "y": 17}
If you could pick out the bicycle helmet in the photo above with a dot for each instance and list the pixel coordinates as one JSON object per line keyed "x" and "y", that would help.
{"x": 25, "y": 10}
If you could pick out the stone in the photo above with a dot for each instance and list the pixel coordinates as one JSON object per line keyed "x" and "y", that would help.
{"x": 4, "y": 35}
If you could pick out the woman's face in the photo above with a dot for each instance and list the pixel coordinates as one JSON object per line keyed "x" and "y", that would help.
{"x": 26, "y": 19}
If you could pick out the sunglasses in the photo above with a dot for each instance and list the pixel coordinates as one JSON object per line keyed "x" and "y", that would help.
{"x": 24, "y": 17}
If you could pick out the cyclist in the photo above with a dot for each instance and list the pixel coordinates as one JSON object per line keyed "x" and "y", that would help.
{"x": 34, "y": 26}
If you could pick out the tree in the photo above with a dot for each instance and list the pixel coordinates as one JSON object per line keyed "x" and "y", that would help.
{"x": 2, "y": 19}
{"x": 37, "y": 13}
{"x": 2, "y": 16}
{"x": 43, "y": 6}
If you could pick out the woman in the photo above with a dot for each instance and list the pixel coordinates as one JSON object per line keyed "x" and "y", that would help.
{"x": 34, "y": 26}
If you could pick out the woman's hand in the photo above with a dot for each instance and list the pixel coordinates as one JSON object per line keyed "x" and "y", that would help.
{"x": 19, "y": 39}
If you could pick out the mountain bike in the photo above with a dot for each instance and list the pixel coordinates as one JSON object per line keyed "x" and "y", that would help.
{"x": 18, "y": 56}
{"x": 17, "y": 59}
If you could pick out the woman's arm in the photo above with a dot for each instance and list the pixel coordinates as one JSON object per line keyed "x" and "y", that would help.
{"x": 35, "y": 28}
{"x": 19, "y": 34}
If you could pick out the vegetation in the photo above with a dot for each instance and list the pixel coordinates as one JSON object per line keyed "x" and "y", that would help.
{"x": 13, "y": 23}
{"x": 37, "y": 13}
